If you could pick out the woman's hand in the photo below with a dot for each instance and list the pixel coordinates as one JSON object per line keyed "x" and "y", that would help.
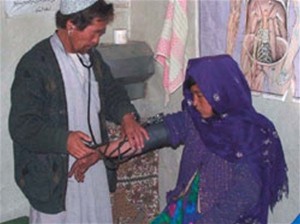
{"x": 81, "y": 166}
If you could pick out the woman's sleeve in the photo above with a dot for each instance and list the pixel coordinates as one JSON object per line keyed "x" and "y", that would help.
{"x": 177, "y": 124}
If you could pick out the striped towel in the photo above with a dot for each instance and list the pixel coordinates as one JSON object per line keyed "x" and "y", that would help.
{"x": 170, "y": 52}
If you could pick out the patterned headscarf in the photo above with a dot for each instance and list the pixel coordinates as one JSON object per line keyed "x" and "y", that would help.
{"x": 237, "y": 132}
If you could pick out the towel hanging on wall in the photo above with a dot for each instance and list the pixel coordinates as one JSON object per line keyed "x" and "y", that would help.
{"x": 170, "y": 52}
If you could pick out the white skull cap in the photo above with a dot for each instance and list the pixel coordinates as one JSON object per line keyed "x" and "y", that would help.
{"x": 68, "y": 7}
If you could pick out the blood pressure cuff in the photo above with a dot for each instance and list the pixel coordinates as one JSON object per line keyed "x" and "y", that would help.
{"x": 158, "y": 138}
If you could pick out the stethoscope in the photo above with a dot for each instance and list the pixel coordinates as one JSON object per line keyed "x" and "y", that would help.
{"x": 88, "y": 67}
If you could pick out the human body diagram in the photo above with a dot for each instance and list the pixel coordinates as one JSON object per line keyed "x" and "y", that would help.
{"x": 268, "y": 48}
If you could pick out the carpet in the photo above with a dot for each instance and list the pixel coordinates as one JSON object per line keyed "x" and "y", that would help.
{"x": 136, "y": 199}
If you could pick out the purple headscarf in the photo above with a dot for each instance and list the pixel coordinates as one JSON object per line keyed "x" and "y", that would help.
{"x": 237, "y": 132}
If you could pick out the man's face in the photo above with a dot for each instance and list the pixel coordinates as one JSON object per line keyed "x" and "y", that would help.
{"x": 84, "y": 40}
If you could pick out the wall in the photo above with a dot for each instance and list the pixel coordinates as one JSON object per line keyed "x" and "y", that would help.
{"x": 17, "y": 36}
{"x": 286, "y": 117}
{"x": 144, "y": 19}
{"x": 146, "y": 24}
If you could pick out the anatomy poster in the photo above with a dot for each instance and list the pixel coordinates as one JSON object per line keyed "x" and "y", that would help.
{"x": 262, "y": 35}
{"x": 19, "y": 7}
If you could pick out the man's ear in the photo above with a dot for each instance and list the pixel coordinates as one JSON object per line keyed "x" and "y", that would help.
{"x": 70, "y": 26}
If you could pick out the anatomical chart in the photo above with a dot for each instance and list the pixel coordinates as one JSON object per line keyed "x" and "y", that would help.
{"x": 267, "y": 53}
{"x": 263, "y": 36}
{"x": 22, "y": 7}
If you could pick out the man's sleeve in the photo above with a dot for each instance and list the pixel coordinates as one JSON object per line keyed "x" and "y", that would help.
{"x": 29, "y": 122}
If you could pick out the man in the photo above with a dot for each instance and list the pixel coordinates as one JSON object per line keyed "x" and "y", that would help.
{"x": 61, "y": 96}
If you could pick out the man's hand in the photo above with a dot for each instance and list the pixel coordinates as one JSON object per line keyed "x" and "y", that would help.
{"x": 134, "y": 131}
{"x": 76, "y": 144}
{"x": 81, "y": 166}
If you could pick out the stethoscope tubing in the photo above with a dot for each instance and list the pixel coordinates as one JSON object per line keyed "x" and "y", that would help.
{"x": 88, "y": 67}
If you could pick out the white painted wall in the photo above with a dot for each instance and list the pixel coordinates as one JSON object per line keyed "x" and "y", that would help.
{"x": 18, "y": 34}
{"x": 144, "y": 20}
{"x": 150, "y": 15}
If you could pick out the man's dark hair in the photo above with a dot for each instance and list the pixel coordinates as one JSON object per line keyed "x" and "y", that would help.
{"x": 82, "y": 19}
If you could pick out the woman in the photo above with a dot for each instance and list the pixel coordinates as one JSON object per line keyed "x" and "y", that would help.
{"x": 232, "y": 168}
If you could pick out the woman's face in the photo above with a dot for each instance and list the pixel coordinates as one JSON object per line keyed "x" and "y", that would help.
{"x": 200, "y": 103}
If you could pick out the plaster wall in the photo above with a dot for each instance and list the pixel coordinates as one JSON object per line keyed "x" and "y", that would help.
{"x": 144, "y": 20}
{"x": 147, "y": 18}
{"x": 18, "y": 34}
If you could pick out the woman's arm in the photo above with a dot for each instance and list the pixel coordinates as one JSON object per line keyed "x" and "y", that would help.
{"x": 158, "y": 138}
{"x": 169, "y": 130}
{"x": 120, "y": 151}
